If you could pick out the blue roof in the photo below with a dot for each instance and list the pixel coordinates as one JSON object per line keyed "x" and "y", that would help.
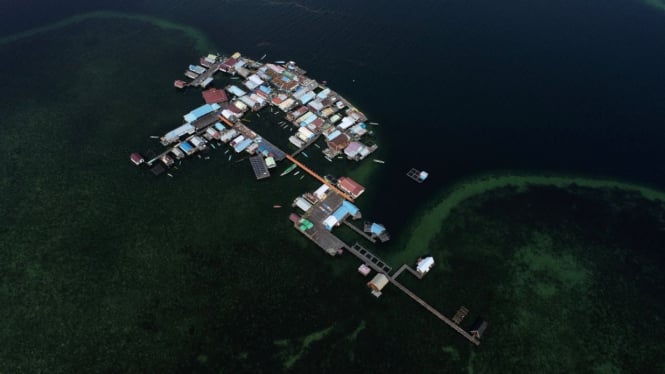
{"x": 186, "y": 146}
{"x": 265, "y": 89}
{"x": 285, "y": 79}
{"x": 242, "y": 145}
{"x": 353, "y": 210}
{"x": 341, "y": 213}
{"x": 377, "y": 229}
{"x": 333, "y": 135}
{"x": 200, "y": 112}
{"x": 307, "y": 97}
{"x": 219, "y": 126}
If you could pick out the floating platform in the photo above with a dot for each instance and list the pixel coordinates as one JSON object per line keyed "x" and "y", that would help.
{"x": 259, "y": 166}
{"x": 417, "y": 175}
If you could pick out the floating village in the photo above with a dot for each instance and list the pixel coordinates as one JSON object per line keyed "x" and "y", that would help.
{"x": 313, "y": 112}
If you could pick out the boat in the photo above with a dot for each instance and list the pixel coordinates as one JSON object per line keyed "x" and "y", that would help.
{"x": 317, "y": 146}
{"x": 170, "y": 175}
{"x": 227, "y": 151}
{"x": 199, "y": 155}
{"x": 302, "y": 176}
{"x": 276, "y": 206}
{"x": 154, "y": 137}
{"x": 288, "y": 170}
{"x": 296, "y": 173}
{"x": 235, "y": 77}
{"x": 280, "y": 62}
{"x": 230, "y": 157}
{"x": 304, "y": 154}
{"x": 258, "y": 115}
{"x": 213, "y": 146}
{"x": 207, "y": 158}
{"x": 374, "y": 123}
{"x": 328, "y": 158}
{"x": 379, "y": 161}
{"x": 264, "y": 56}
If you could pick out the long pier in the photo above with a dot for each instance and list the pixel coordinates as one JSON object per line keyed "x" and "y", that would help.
{"x": 206, "y": 74}
{"x": 370, "y": 259}
{"x": 319, "y": 178}
{"x": 432, "y": 310}
{"x": 359, "y": 231}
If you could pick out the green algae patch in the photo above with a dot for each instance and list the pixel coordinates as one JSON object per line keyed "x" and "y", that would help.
{"x": 428, "y": 226}
{"x": 202, "y": 42}
{"x": 354, "y": 334}
{"x": 658, "y": 4}
{"x": 294, "y": 349}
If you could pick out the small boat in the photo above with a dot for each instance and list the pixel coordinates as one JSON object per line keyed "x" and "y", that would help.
{"x": 230, "y": 157}
{"x": 296, "y": 173}
{"x": 288, "y": 170}
{"x": 304, "y": 154}
{"x": 279, "y": 62}
{"x": 207, "y": 158}
{"x": 154, "y": 137}
{"x": 213, "y": 146}
{"x": 302, "y": 176}
{"x": 235, "y": 77}
{"x": 328, "y": 158}
{"x": 258, "y": 115}
{"x": 379, "y": 161}
{"x": 374, "y": 123}
{"x": 264, "y": 56}
{"x": 325, "y": 82}
{"x": 317, "y": 146}
{"x": 199, "y": 156}
{"x": 170, "y": 175}
{"x": 227, "y": 151}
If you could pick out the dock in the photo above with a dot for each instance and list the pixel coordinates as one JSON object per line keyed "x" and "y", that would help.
{"x": 198, "y": 81}
{"x": 436, "y": 313}
{"x": 259, "y": 166}
{"x": 319, "y": 178}
{"x": 359, "y": 231}
{"x": 370, "y": 259}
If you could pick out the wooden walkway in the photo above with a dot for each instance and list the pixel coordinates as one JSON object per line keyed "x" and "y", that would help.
{"x": 409, "y": 268}
{"x": 206, "y": 74}
{"x": 431, "y": 309}
{"x": 318, "y": 177}
{"x": 370, "y": 259}
{"x": 359, "y": 231}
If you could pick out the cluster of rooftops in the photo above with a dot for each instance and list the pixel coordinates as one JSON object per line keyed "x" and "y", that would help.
{"x": 314, "y": 109}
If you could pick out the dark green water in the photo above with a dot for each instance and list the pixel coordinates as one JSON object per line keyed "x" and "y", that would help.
{"x": 104, "y": 268}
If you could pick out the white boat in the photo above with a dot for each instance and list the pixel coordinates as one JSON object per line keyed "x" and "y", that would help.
{"x": 297, "y": 172}
{"x": 213, "y": 146}
{"x": 317, "y": 146}
{"x": 230, "y": 157}
{"x": 373, "y": 123}
{"x": 170, "y": 175}
{"x": 279, "y": 62}
{"x": 328, "y": 158}
{"x": 154, "y": 137}
{"x": 264, "y": 56}
{"x": 302, "y": 176}
{"x": 379, "y": 161}
{"x": 305, "y": 154}
{"x": 207, "y": 157}
{"x": 227, "y": 151}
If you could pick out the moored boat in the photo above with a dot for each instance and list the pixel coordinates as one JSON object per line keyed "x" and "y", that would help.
{"x": 288, "y": 170}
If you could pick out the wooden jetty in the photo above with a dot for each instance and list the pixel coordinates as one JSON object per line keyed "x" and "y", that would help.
{"x": 259, "y": 166}
{"x": 206, "y": 74}
{"x": 359, "y": 231}
{"x": 318, "y": 177}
